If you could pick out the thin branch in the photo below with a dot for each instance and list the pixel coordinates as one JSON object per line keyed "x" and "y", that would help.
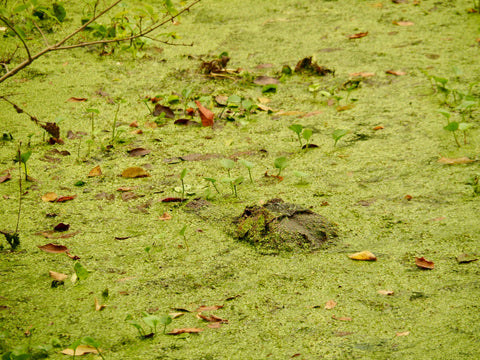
{"x": 58, "y": 45}
{"x": 11, "y": 27}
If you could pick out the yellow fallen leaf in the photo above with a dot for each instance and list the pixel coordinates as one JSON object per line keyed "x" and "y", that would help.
{"x": 330, "y": 304}
{"x": 134, "y": 172}
{"x": 57, "y": 276}
{"x": 49, "y": 197}
{"x": 454, "y": 161}
{"x": 264, "y": 100}
{"x": 403, "y": 23}
{"x": 362, "y": 74}
{"x": 81, "y": 350}
{"x": 363, "y": 255}
{"x": 98, "y": 306}
{"x": 96, "y": 171}
{"x": 265, "y": 108}
{"x": 405, "y": 333}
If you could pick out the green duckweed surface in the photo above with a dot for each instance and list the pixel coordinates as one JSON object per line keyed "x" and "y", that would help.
{"x": 385, "y": 189}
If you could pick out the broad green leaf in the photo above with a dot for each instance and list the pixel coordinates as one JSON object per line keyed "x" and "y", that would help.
{"x": 182, "y": 230}
{"x": 59, "y": 11}
{"x": 227, "y": 163}
{"x": 165, "y": 320}
{"x": 281, "y": 162}
{"x": 445, "y": 113}
{"x": 246, "y": 163}
{"x": 464, "y": 126}
{"x": 338, "y": 134}
{"x": 90, "y": 110}
{"x": 307, "y": 134}
{"x": 152, "y": 321}
{"x": 238, "y": 180}
{"x": 81, "y": 272}
{"x": 25, "y": 156}
{"x": 296, "y": 128}
{"x": 87, "y": 340}
{"x": 183, "y": 173}
{"x": 452, "y": 126}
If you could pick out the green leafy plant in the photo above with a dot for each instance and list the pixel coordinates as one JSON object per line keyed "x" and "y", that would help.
{"x": 23, "y": 158}
{"x": 302, "y": 133}
{"x": 212, "y": 181}
{"x": 474, "y": 182}
{"x": 314, "y": 89}
{"x": 338, "y": 134}
{"x": 80, "y": 272}
{"x": 297, "y": 129}
{"x": 303, "y": 177}
{"x": 280, "y": 163}
{"x": 119, "y": 101}
{"x": 152, "y": 322}
{"x": 87, "y": 340}
{"x": 249, "y": 107}
{"x": 249, "y": 165}
{"x": 453, "y": 126}
{"x": 182, "y": 234}
{"x": 228, "y": 164}
{"x": 182, "y": 177}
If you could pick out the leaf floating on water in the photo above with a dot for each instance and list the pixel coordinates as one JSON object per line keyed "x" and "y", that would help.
{"x": 396, "y": 73}
{"x": 205, "y": 114}
{"x": 185, "y": 331}
{"x": 76, "y": 99}
{"x": 96, "y": 171}
{"x": 362, "y": 74}
{"x": 423, "y": 263}
{"x": 454, "y": 161}
{"x": 98, "y": 306}
{"x": 138, "y": 152}
{"x": 403, "y": 23}
{"x": 363, "y": 256}
{"x": 66, "y": 198}
{"x": 212, "y": 318}
{"x": 209, "y": 308}
{"x": 358, "y": 35}
{"x": 330, "y": 304}
{"x": 81, "y": 350}
{"x": 135, "y": 172}
{"x": 466, "y": 258}
{"x": 49, "y": 197}
{"x": 165, "y": 217}
{"x": 385, "y": 292}
{"x": 343, "y": 318}
{"x": 57, "y": 276}
{"x": 61, "y": 227}
{"x": 265, "y": 80}
{"x": 405, "y": 333}
{"x": 159, "y": 109}
{"x": 53, "y": 248}
{"x": 5, "y": 177}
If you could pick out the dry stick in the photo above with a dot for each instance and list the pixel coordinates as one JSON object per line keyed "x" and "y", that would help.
{"x": 58, "y": 46}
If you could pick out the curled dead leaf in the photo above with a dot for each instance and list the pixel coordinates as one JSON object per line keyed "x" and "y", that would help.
{"x": 96, "y": 171}
{"x": 423, "y": 263}
{"x": 211, "y": 318}
{"x": 364, "y": 256}
{"x": 135, "y": 172}
{"x": 49, "y": 197}
{"x": 205, "y": 114}
{"x": 57, "y": 276}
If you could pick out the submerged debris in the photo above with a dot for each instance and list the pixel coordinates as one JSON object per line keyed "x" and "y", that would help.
{"x": 278, "y": 226}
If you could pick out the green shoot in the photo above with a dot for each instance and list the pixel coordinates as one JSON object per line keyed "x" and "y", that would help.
{"x": 297, "y": 129}
{"x": 314, "y": 88}
{"x": 307, "y": 134}
{"x": 119, "y": 101}
{"x": 23, "y": 158}
{"x": 87, "y": 340}
{"x": 212, "y": 181}
{"x": 182, "y": 233}
{"x": 464, "y": 127}
{"x": 92, "y": 137}
{"x": 249, "y": 165}
{"x": 302, "y": 176}
{"x": 237, "y": 182}
{"x": 165, "y": 320}
{"x": 338, "y": 134}
{"x": 228, "y": 164}
{"x": 280, "y": 163}
{"x": 182, "y": 176}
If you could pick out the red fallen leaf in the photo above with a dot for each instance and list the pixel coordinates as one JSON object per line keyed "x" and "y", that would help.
{"x": 163, "y": 109}
{"x": 402, "y": 23}
{"x": 205, "y": 114}
{"x": 358, "y": 35}
{"x": 5, "y": 177}
{"x": 423, "y": 263}
{"x": 209, "y": 308}
{"x": 134, "y": 124}
{"x": 408, "y": 197}
{"x": 185, "y": 331}
{"x": 77, "y": 99}
{"x": 53, "y": 248}
{"x": 187, "y": 122}
{"x": 61, "y": 227}
{"x": 172, "y": 199}
{"x": 379, "y": 127}
{"x": 66, "y": 198}
{"x": 139, "y": 152}
{"x": 396, "y": 73}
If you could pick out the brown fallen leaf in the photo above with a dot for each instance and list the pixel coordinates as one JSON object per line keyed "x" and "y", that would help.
{"x": 185, "y": 331}
{"x": 290, "y": 113}
{"x": 205, "y": 114}
{"x": 385, "y": 292}
{"x": 135, "y": 172}
{"x": 57, "y": 276}
{"x": 176, "y": 314}
{"x": 454, "y": 161}
{"x": 405, "y": 333}
{"x": 76, "y": 99}
{"x": 345, "y": 107}
{"x": 330, "y": 304}
{"x": 165, "y": 217}
{"x": 378, "y": 127}
{"x": 98, "y": 306}
{"x": 212, "y": 318}
{"x": 186, "y": 122}
{"x": 81, "y": 350}
{"x": 343, "y": 318}
{"x": 395, "y": 72}
{"x": 133, "y": 124}
{"x": 96, "y": 171}
{"x": 52, "y": 234}
{"x": 363, "y": 256}
{"x": 466, "y": 258}
{"x": 159, "y": 109}
{"x": 126, "y": 188}
{"x": 53, "y": 248}
{"x": 209, "y": 308}
{"x": 362, "y": 74}
{"x": 423, "y": 263}
{"x": 214, "y": 325}
{"x": 402, "y": 23}
{"x": 73, "y": 257}
{"x": 265, "y": 80}
{"x": 343, "y": 333}
{"x": 66, "y": 198}
{"x": 49, "y": 197}
{"x": 138, "y": 152}
{"x": 61, "y": 227}
{"x": 358, "y": 35}
{"x": 5, "y": 177}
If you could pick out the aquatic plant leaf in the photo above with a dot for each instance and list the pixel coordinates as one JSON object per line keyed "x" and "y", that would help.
{"x": 5, "y": 177}
{"x": 358, "y": 35}
{"x": 96, "y": 171}
{"x": 330, "y": 304}
{"x": 185, "y": 331}
{"x": 57, "y": 276}
{"x": 49, "y": 197}
{"x": 466, "y": 258}
{"x": 53, "y": 248}
{"x": 80, "y": 350}
{"x": 135, "y": 172}
{"x": 81, "y": 272}
{"x": 205, "y": 115}
{"x": 423, "y": 263}
{"x": 138, "y": 152}
{"x": 454, "y": 161}
{"x": 363, "y": 256}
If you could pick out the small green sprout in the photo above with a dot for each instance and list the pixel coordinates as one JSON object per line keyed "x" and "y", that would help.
{"x": 270, "y": 88}
{"x": 227, "y": 164}
{"x": 297, "y": 129}
{"x": 302, "y": 176}
{"x": 182, "y": 234}
{"x": 249, "y": 165}
{"x": 307, "y": 134}
{"x": 301, "y": 133}
{"x": 182, "y": 176}
{"x": 92, "y": 113}
{"x": 338, "y": 134}
{"x": 314, "y": 89}
{"x": 249, "y": 107}
{"x": 23, "y": 159}
{"x": 212, "y": 181}
{"x": 280, "y": 164}
{"x": 114, "y": 128}
{"x": 80, "y": 272}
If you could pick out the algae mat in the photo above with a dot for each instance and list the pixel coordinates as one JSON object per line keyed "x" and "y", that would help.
{"x": 381, "y": 184}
